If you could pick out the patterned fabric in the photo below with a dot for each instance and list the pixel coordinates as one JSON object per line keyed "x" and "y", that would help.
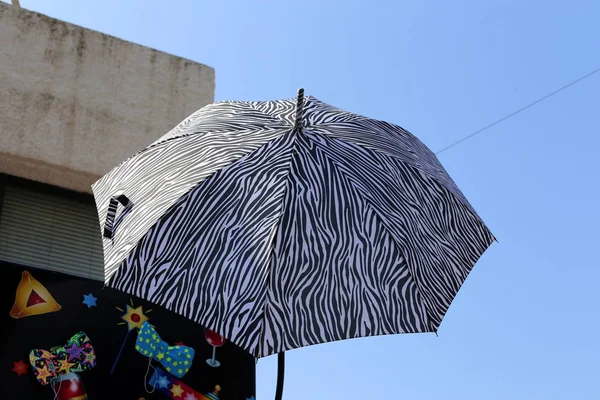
{"x": 77, "y": 355}
{"x": 279, "y": 233}
{"x": 176, "y": 359}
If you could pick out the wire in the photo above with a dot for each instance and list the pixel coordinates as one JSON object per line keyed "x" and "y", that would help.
{"x": 518, "y": 111}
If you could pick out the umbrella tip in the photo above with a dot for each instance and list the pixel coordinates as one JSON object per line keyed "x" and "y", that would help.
{"x": 299, "y": 108}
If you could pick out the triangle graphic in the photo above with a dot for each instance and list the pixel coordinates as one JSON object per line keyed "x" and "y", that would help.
{"x": 32, "y": 298}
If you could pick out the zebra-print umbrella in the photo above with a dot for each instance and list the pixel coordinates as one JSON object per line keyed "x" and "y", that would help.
{"x": 282, "y": 224}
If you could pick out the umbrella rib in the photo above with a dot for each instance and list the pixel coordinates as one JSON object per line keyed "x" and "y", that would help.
{"x": 470, "y": 208}
{"x": 252, "y": 106}
{"x": 275, "y": 118}
{"x": 418, "y": 286}
{"x": 376, "y": 213}
{"x": 457, "y": 192}
{"x": 271, "y": 245}
{"x": 160, "y": 142}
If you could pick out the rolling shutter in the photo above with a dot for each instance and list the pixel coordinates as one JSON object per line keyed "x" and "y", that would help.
{"x": 49, "y": 231}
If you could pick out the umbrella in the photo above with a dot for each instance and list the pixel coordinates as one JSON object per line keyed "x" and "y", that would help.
{"x": 283, "y": 224}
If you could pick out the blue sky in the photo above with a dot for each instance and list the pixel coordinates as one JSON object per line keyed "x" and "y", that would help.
{"x": 525, "y": 324}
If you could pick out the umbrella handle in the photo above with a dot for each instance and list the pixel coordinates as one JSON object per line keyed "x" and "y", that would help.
{"x": 110, "y": 225}
{"x": 280, "y": 374}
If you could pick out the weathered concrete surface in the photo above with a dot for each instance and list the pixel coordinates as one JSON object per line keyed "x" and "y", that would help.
{"x": 75, "y": 102}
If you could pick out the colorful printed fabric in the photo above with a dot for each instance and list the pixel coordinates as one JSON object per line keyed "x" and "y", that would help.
{"x": 76, "y": 356}
{"x": 176, "y": 359}
{"x": 175, "y": 389}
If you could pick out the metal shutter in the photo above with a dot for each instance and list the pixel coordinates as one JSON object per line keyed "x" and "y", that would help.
{"x": 49, "y": 231}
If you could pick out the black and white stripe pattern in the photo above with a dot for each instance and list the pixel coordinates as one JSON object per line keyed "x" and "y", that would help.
{"x": 280, "y": 234}
{"x": 110, "y": 224}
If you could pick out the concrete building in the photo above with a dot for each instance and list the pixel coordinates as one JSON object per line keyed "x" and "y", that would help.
{"x": 73, "y": 104}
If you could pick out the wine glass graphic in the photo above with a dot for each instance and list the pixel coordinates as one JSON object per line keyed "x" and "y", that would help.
{"x": 215, "y": 340}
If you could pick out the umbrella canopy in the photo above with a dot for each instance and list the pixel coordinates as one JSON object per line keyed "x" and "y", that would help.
{"x": 282, "y": 224}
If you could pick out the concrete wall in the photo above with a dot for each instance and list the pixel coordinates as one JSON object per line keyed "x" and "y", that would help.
{"x": 75, "y": 102}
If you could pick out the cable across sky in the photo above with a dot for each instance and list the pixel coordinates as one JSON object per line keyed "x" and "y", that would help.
{"x": 477, "y": 132}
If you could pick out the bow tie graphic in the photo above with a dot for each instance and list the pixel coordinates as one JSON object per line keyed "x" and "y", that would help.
{"x": 77, "y": 355}
{"x": 177, "y": 360}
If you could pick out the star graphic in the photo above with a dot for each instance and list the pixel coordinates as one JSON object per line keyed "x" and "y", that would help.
{"x": 20, "y": 367}
{"x": 134, "y": 317}
{"x": 64, "y": 365}
{"x": 163, "y": 382}
{"x": 90, "y": 358}
{"x": 160, "y": 356}
{"x": 73, "y": 351}
{"x": 43, "y": 374}
{"x": 89, "y": 300}
{"x": 190, "y": 396}
{"x": 47, "y": 355}
{"x": 177, "y": 390}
